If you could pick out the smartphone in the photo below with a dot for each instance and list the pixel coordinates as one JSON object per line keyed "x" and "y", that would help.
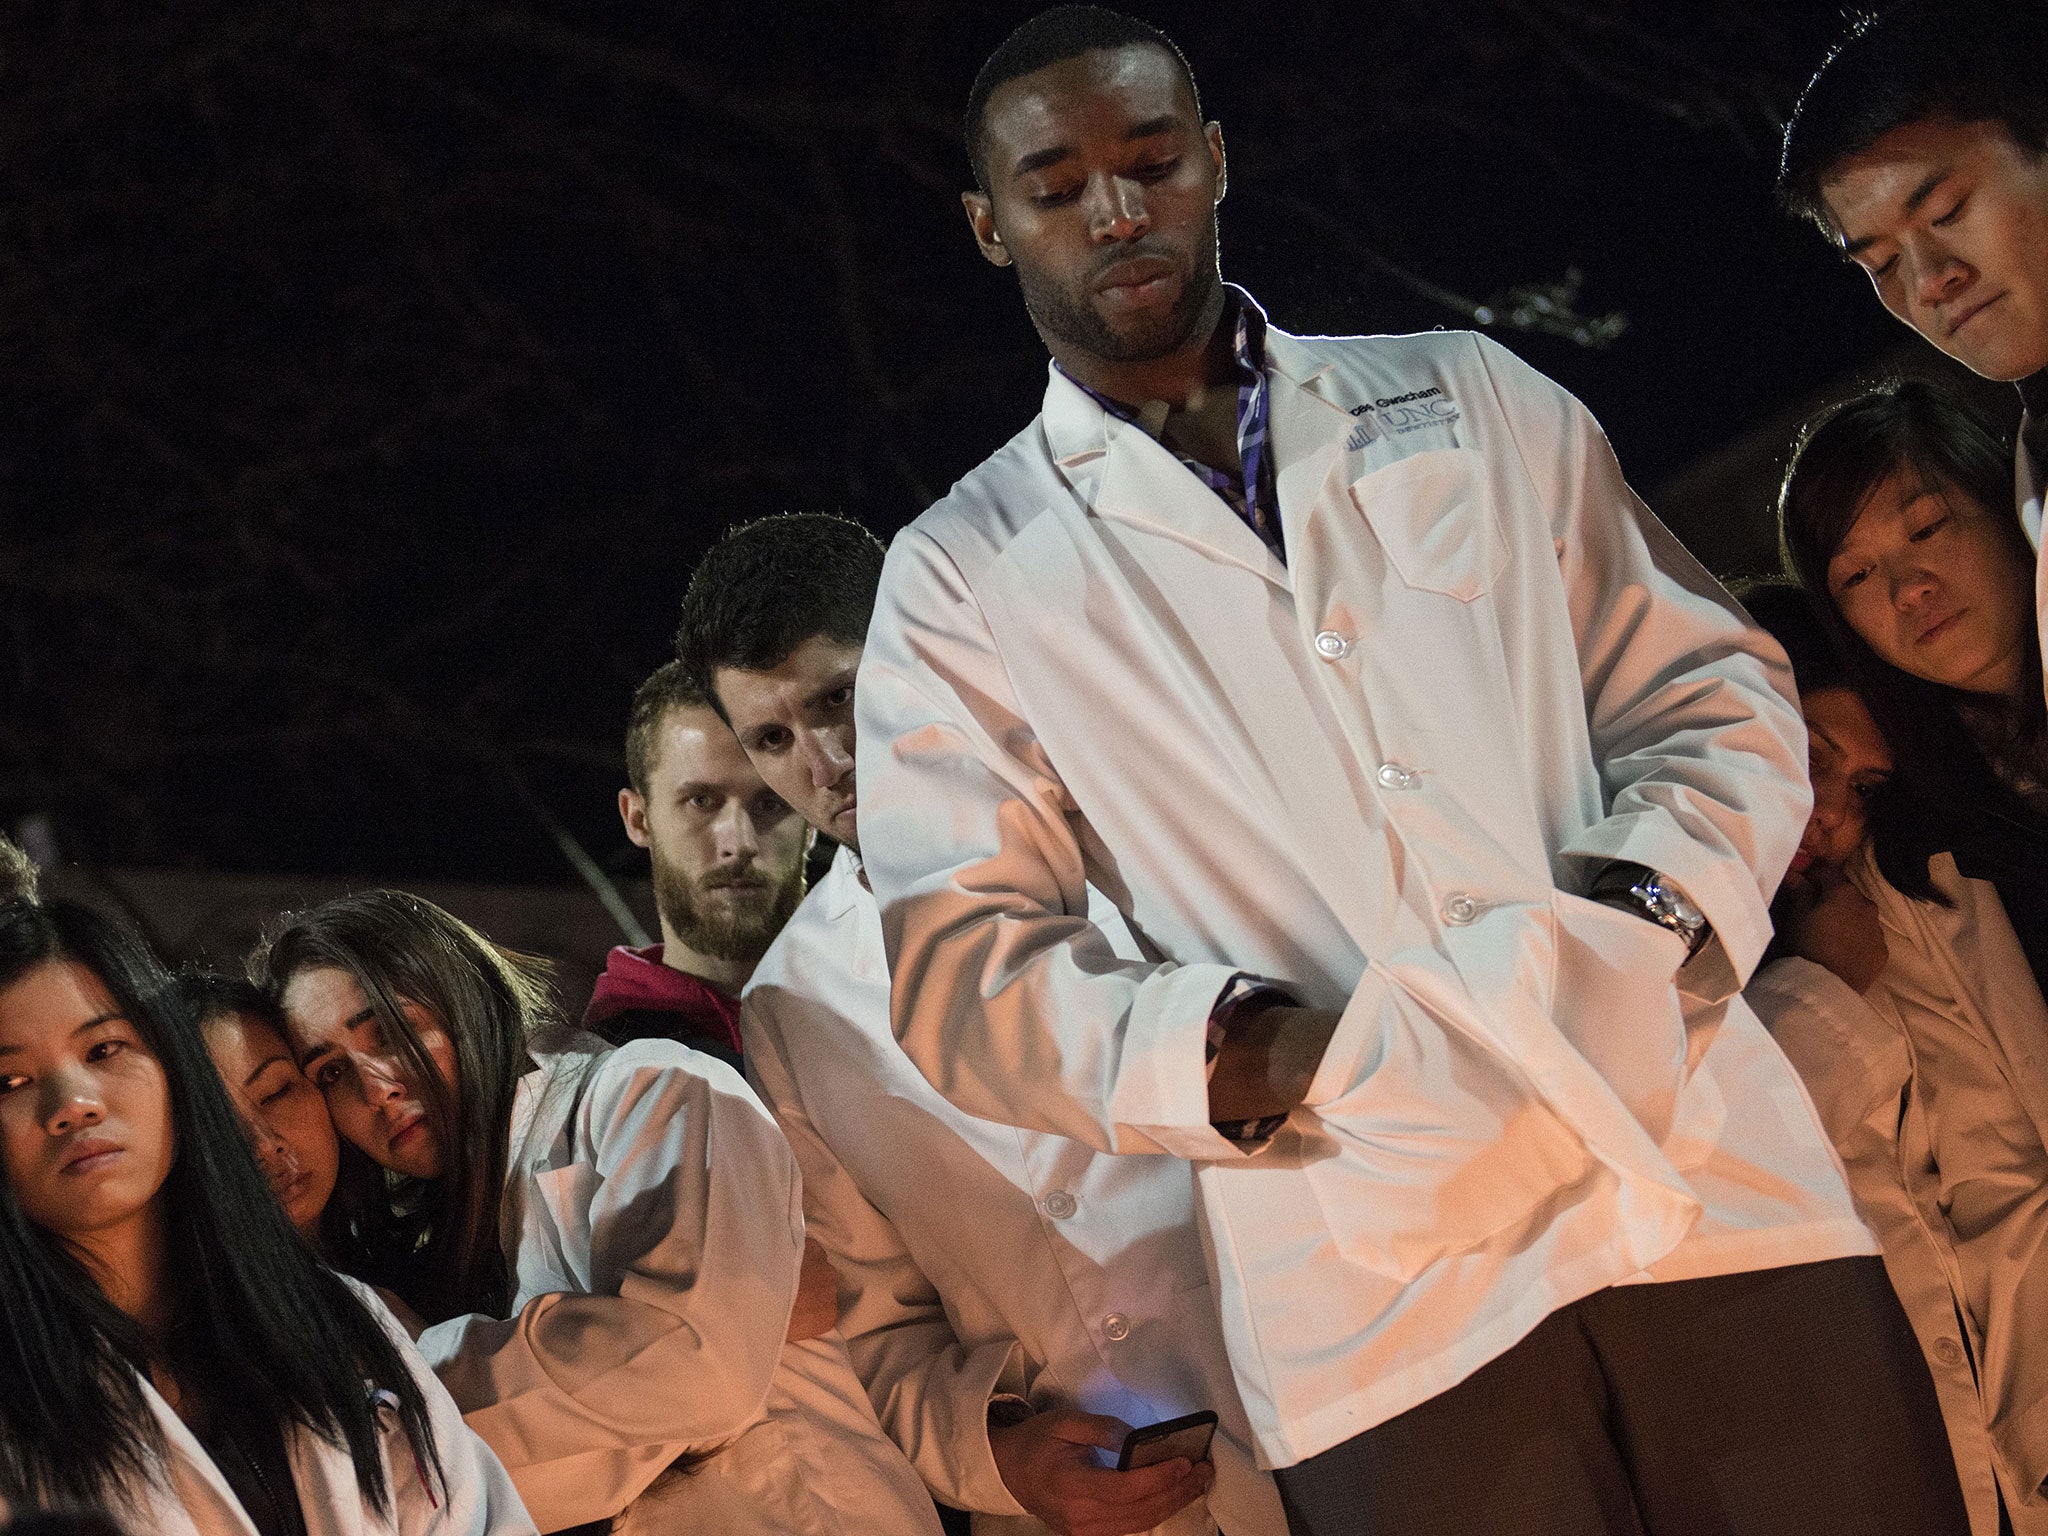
{"x": 1150, "y": 1444}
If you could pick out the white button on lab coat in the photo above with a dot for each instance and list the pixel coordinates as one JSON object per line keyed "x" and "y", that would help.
{"x": 1085, "y": 669}
{"x": 478, "y": 1499}
{"x": 976, "y": 1258}
{"x": 653, "y": 1221}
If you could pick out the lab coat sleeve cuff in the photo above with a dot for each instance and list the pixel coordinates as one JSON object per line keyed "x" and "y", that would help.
{"x": 993, "y": 1370}
{"x": 1721, "y": 886}
{"x": 1163, "y": 1089}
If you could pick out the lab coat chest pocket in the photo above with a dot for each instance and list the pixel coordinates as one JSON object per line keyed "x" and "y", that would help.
{"x": 1432, "y": 517}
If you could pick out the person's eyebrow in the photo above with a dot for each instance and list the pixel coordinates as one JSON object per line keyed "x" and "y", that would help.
{"x": 368, "y": 1015}
{"x": 1821, "y": 732}
{"x": 835, "y": 683}
{"x": 1914, "y": 199}
{"x": 264, "y": 1066}
{"x": 1039, "y": 159}
{"x": 112, "y": 1016}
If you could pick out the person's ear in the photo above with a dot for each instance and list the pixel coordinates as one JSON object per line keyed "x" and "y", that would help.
{"x": 633, "y": 812}
{"x": 981, "y": 218}
{"x": 1213, "y": 132}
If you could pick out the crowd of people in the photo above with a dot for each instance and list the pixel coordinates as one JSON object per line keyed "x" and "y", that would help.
{"x": 1354, "y": 989}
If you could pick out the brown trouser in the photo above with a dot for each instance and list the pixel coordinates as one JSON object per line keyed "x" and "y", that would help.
{"x": 1780, "y": 1402}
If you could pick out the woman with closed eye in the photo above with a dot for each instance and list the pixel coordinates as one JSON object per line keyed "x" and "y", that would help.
{"x": 281, "y": 1112}
{"x": 173, "y": 1353}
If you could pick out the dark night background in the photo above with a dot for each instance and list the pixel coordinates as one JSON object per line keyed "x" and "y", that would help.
{"x": 375, "y": 373}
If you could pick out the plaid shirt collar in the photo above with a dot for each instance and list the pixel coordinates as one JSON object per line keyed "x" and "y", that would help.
{"x": 1249, "y": 493}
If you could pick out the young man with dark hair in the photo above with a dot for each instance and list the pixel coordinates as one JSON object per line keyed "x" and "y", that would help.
{"x": 727, "y": 855}
{"x": 1921, "y": 150}
{"x": 1013, "y": 1302}
{"x": 1443, "y": 792}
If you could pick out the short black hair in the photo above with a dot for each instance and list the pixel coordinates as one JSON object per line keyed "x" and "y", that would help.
{"x": 1964, "y": 61}
{"x": 770, "y": 585}
{"x": 668, "y": 687}
{"x": 1783, "y": 610}
{"x": 1050, "y": 37}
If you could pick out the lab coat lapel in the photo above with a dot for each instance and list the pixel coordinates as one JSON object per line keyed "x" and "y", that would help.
{"x": 1306, "y": 434}
{"x": 1121, "y": 474}
{"x": 208, "y": 1503}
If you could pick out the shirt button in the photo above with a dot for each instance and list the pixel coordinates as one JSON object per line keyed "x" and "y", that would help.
{"x": 1948, "y": 1351}
{"x": 1332, "y": 646}
{"x": 1059, "y": 1205}
{"x": 1116, "y": 1327}
{"x": 1394, "y": 776}
{"x": 1460, "y": 909}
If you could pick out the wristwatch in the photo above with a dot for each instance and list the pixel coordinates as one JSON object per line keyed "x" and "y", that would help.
{"x": 1639, "y": 889}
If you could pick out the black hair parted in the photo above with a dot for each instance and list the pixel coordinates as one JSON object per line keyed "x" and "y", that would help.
{"x": 263, "y": 1333}
{"x": 770, "y": 585}
{"x": 1964, "y": 61}
{"x": 1052, "y": 36}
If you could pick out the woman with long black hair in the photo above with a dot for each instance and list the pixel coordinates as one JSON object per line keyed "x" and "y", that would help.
{"x": 173, "y": 1352}
{"x": 604, "y": 1241}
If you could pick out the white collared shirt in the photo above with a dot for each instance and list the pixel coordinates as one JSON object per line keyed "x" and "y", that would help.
{"x": 977, "y": 1258}
{"x": 1373, "y": 775}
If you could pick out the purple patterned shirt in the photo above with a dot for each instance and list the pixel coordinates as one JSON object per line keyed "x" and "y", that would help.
{"x": 1249, "y": 493}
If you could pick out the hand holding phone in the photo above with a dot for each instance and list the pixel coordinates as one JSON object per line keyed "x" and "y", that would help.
{"x": 1186, "y": 1437}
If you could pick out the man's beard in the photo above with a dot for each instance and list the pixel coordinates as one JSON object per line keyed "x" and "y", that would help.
{"x": 1069, "y": 317}
{"x": 741, "y": 930}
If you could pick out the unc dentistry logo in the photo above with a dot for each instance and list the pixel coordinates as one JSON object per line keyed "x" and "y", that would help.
{"x": 1397, "y": 415}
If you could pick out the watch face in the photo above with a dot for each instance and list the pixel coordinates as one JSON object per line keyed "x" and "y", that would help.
{"x": 1672, "y": 902}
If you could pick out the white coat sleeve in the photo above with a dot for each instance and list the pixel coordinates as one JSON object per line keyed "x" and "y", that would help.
{"x": 1006, "y": 997}
{"x": 475, "y": 1496}
{"x": 1691, "y": 709}
{"x": 690, "y": 1227}
{"x": 931, "y": 1392}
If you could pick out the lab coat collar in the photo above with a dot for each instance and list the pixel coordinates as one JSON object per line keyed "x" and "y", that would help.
{"x": 1119, "y": 472}
{"x": 840, "y": 890}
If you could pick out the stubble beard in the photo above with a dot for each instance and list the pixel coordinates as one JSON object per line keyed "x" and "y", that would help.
{"x": 1067, "y": 316}
{"x": 739, "y": 931}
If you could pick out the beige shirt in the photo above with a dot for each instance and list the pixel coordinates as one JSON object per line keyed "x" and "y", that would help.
{"x": 1934, "y": 1089}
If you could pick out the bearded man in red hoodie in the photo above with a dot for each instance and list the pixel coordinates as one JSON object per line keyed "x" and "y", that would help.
{"x": 728, "y": 862}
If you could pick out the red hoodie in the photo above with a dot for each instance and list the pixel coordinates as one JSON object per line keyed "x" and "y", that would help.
{"x": 638, "y": 997}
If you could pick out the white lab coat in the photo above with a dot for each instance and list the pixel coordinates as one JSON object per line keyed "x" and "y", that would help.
{"x": 1856, "y": 1055}
{"x": 976, "y": 1258}
{"x": 195, "y": 1500}
{"x": 653, "y": 1222}
{"x": 1374, "y": 775}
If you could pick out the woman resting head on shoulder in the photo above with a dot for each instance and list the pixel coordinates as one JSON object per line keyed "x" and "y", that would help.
{"x": 636, "y": 1315}
{"x": 172, "y": 1347}
{"x": 1818, "y": 914}
{"x": 281, "y": 1112}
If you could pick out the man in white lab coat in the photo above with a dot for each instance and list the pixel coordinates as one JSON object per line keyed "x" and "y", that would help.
{"x": 1013, "y": 1302}
{"x": 1442, "y": 793}
{"x": 1921, "y": 150}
